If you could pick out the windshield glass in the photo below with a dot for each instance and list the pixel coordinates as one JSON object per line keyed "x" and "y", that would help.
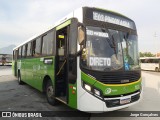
{"x": 104, "y": 50}
{"x": 130, "y": 51}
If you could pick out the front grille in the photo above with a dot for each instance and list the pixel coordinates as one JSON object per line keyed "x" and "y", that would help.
{"x": 116, "y": 102}
{"x": 120, "y": 78}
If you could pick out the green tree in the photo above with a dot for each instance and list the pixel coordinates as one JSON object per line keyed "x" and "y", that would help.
{"x": 146, "y": 54}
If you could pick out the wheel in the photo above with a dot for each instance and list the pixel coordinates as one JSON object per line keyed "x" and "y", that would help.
{"x": 19, "y": 79}
{"x": 50, "y": 94}
{"x": 156, "y": 69}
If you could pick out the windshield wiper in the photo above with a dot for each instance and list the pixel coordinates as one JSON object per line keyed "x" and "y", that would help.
{"x": 113, "y": 45}
{"x": 110, "y": 44}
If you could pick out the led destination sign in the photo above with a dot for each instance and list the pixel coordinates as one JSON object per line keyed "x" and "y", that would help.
{"x": 109, "y": 17}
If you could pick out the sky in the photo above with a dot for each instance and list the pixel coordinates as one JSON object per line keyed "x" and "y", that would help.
{"x": 22, "y": 19}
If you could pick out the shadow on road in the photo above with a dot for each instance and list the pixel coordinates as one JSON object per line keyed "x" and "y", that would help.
{"x": 15, "y": 97}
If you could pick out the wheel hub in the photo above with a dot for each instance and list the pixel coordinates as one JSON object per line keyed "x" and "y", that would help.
{"x": 50, "y": 91}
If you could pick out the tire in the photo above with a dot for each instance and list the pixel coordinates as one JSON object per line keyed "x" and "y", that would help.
{"x": 50, "y": 93}
{"x": 156, "y": 69}
{"x": 19, "y": 79}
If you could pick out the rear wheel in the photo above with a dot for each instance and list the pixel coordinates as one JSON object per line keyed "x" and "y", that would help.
{"x": 50, "y": 93}
{"x": 156, "y": 69}
{"x": 19, "y": 79}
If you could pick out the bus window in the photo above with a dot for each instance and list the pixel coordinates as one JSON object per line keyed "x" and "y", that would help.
{"x": 23, "y": 51}
{"x": 19, "y": 52}
{"x": 155, "y": 61}
{"x": 47, "y": 44}
{"x": 36, "y": 48}
{"x": 146, "y": 61}
{"x": 29, "y": 50}
{"x": 61, "y": 45}
{"x": 142, "y": 60}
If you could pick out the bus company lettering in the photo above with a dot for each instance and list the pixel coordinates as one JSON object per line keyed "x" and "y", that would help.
{"x": 99, "y": 61}
{"x": 106, "y": 18}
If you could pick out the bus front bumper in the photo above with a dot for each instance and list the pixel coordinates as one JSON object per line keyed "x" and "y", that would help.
{"x": 92, "y": 104}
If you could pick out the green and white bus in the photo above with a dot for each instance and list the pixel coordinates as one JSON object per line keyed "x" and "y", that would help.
{"x": 88, "y": 60}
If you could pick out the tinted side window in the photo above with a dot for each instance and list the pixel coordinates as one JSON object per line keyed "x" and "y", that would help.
{"x": 19, "y": 52}
{"x": 29, "y": 49}
{"x": 36, "y": 47}
{"x": 150, "y": 61}
{"x": 146, "y": 61}
{"x": 142, "y": 60}
{"x": 155, "y": 61}
{"x": 23, "y": 51}
{"x": 47, "y": 45}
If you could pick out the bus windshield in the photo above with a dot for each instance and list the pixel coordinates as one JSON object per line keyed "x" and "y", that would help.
{"x": 109, "y": 50}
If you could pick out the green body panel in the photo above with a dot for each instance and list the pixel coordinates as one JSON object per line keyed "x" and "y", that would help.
{"x": 116, "y": 89}
{"x": 73, "y": 96}
{"x": 87, "y": 78}
{"x": 34, "y": 70}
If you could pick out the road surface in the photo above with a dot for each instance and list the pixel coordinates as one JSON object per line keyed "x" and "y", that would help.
{"x": 14, "y": 97}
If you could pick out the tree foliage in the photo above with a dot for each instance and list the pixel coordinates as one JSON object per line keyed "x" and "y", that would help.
{"x": 146, "y": 54}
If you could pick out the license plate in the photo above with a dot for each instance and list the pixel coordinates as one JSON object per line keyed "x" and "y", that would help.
{"x": 125, "y": 101}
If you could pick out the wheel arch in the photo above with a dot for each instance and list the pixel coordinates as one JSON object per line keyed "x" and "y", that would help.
{"x": 45, "y": 80}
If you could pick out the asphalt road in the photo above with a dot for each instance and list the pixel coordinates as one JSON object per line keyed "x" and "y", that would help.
{"x": 14, "y": 97}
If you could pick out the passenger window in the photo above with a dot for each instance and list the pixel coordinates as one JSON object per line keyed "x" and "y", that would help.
{"x": 29, "y": 49}
{"x": 36, "y": 48}
{"x": 23, "y": 51}
{"x": 47, "y": 44}
{"x": 19, "y": 52}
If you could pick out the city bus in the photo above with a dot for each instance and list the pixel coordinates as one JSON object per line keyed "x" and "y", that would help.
{"x": 88, "y": 60}
{"x": 150, "y": 63}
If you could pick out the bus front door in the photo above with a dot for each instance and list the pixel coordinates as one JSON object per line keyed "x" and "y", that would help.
{"x": 61, "y": 81}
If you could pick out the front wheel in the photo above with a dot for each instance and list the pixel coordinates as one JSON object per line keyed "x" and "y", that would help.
{"x": 50, "y": 94}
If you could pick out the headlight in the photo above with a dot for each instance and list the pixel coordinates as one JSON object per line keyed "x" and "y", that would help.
{"x": 87, "y": 87}
{"x": 92, "y": 90}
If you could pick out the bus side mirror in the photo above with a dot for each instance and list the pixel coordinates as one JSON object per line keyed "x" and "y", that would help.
{"x": 81, "y": 34}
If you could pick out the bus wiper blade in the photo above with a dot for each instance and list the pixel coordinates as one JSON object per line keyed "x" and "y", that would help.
{"x": 109, "y": 41}
{"x": 110, "y": 44}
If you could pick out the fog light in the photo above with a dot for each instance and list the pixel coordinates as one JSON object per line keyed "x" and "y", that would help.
{"x": 97, "y": 92}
